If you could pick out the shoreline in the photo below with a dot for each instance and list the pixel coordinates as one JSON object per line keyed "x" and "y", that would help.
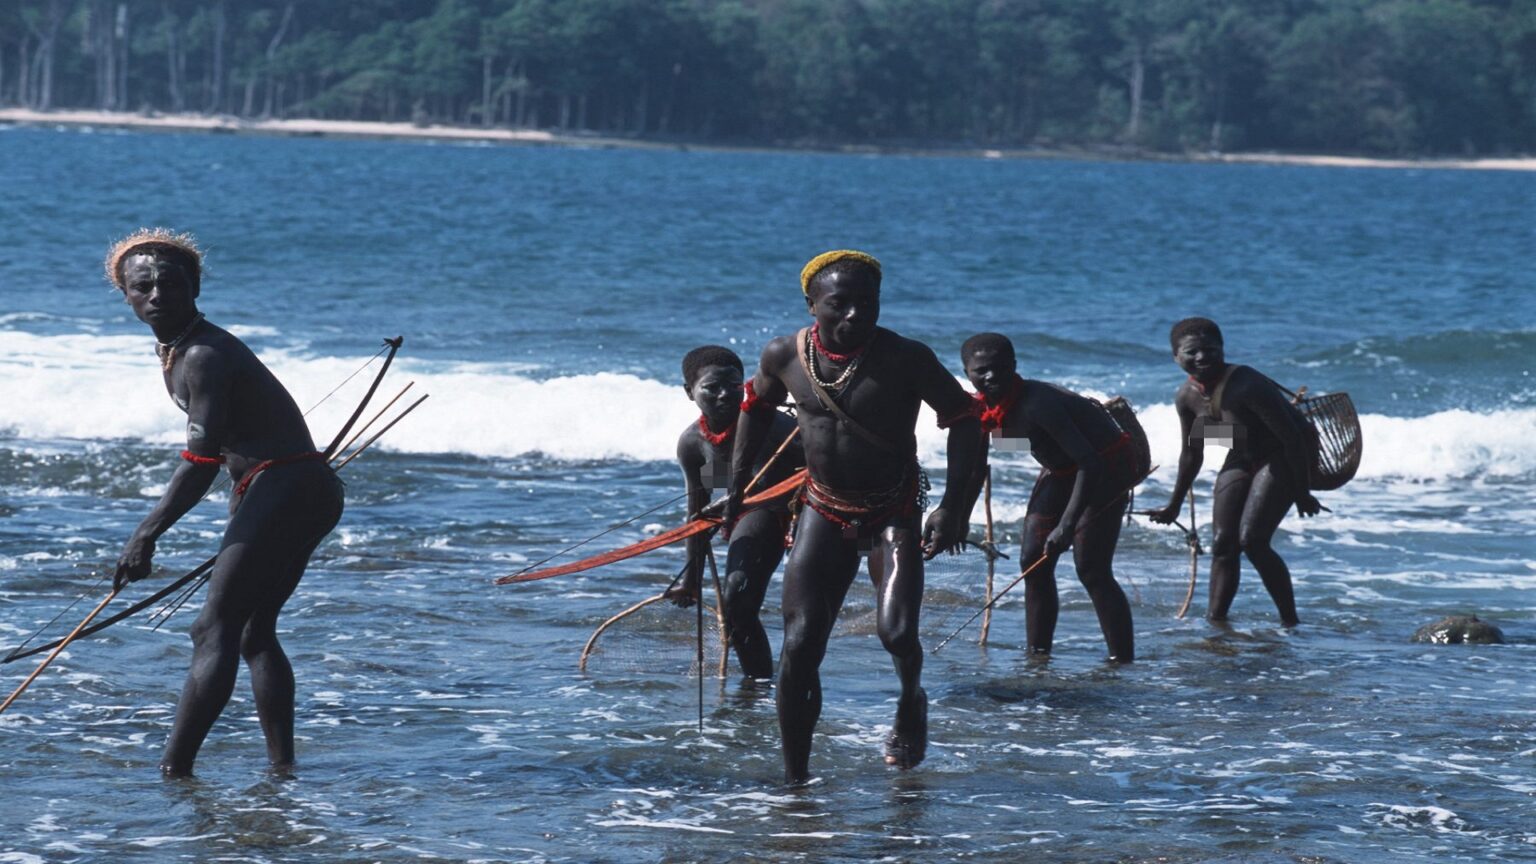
{"x": 360, "y": 129}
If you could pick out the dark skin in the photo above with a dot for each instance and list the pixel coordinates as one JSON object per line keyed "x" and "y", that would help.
{"x": 235, "y": 409}
{"x": 1263, "y": 477}
{"x": 757, "y": 540}
{"x": 1081, "y": 511}
{"x": 895, "y": 376}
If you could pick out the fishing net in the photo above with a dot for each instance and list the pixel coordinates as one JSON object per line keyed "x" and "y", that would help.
{"x": 1337, "y": 429}
{"x": 655, "y": 637}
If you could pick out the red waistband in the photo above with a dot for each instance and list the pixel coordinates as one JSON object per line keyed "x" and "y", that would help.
{"x": 245, "y": 481}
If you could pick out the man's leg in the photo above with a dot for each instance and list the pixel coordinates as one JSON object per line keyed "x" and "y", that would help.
{"x": 1042, "y": 605}
{"x": 1093, "y": 550}
{"x": 899, "y": 595}
{"x": 1227, "y": 502}
{"x": 272, "y": 682}
{"x": 268, "y": 541}
{"x": 246, "y": 565}
{"x": 271, "y": 674}
{"x": 757, "y": 544}
{"x": 821, "y": 567}
{"x": 1268, "y": 502}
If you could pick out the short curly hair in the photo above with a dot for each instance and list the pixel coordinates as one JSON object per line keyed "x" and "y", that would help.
{"x": 695, "y": 361}
{"x": 175, "y": 245}
{"x": 1193, "y": 327}
{"x": 995, "y": 342}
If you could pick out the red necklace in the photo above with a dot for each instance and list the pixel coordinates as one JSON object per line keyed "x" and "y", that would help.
{"x": 714, "y": 438}
{"x": 830, "y": 355}
{"x": 992, "y": 416}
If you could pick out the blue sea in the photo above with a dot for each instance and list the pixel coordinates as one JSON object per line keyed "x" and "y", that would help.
{"x": 546, "y": 296}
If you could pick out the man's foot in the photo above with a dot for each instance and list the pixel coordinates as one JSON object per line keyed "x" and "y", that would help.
{"x": 174, "y": 772}
{"x": 908, "y": 742}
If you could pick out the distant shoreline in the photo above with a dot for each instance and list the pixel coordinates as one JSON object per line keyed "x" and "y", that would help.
{"x": 310, "y": 128}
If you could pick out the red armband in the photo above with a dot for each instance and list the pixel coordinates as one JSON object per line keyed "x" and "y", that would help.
{"x": 201, "y": 460}
{"x": 752, "y": 402}
{"x": 972, "y": 409}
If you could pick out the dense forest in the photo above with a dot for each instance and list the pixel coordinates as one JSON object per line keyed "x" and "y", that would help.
{"x": 1455, "y": 77}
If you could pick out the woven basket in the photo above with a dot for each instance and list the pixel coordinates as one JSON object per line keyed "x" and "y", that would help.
{"x": 1120, "y": 410}
{"x": 1336, "y": 429}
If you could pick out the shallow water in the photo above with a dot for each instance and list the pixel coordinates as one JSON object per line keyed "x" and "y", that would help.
{"x": 443, "y": 718}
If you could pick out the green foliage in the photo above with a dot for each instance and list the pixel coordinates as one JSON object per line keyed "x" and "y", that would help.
{"x": 1372, "y": 76}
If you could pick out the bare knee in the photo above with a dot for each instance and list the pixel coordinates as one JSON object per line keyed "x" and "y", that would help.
{"x": 1226, "y": 544}
{"x": 1095, "y": 578}
{"x": 737, "y": 597}
{"x": 900, "y": 640}
{"x": 256, "y": 641}
{"x": 805, "y": 640}
{"x": 211, "y": 634}
{"x": 1254, "y": 544}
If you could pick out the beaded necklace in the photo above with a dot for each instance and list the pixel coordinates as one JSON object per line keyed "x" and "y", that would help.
{"x": 167, "y": 350}
{"x": 715, "y": 438}
{"x": 814, "y": 347}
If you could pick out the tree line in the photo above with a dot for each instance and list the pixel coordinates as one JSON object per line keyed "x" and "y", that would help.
{"x": 1365, "y": 76}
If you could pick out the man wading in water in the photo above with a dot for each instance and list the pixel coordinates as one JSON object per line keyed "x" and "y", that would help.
{"x": 285, "y": 499}
{"x": 712, "y": 376}
{"x": 857, "y": 389}
{"x": 1088, "y": 464}
{"x": 1265, "y": 473}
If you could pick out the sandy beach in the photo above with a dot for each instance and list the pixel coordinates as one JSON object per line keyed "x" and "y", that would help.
{"x": 313, "y": 128}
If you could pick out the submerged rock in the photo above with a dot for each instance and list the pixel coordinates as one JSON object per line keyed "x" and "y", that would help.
{"x": 1458, "y": 629}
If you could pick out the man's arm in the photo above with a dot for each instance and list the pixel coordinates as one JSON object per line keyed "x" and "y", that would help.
{"x": 1048, "y": 412}
{"x": 1191, "y": 457}
{"x": 764, "y": 393}
{"x": 690, "y": 460}
{"x": 947, "y": 526}
{"x": 207, "y": 382}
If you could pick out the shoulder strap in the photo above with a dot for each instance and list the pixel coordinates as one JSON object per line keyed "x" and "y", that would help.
{"x": 831, "y": 405}
{"x": 1221, "y": 388}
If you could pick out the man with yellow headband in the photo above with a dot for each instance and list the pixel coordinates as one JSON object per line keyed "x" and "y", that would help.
{"x": 857, "y": 389}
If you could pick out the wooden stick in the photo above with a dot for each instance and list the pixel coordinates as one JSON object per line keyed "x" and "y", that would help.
{"x": 394, "y": 346}
{"x": 366, "y": 426}
{"x": 725, "y": 636}
{"x": 592, "y": 640}
{"x": 358, "y": 452}
{"x": 1194, "y": 555}
{"x": 1028, "y": 570}
{"x": 986, "y": 618}
{"x": 769, "y": 464}
{"x": 62, "y": 645}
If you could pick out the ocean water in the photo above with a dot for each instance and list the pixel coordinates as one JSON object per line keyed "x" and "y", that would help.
{"x": 546, "y": 297}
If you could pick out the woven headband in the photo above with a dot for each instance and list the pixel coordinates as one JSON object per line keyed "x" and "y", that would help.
{"x": 827, "y": 259}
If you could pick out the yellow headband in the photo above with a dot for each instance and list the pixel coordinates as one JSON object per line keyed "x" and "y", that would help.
{"x": 826, "y": 259}
{"x": 150, "y": 237}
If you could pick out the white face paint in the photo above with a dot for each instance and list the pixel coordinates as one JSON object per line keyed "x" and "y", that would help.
{"x": 195, "y": 431}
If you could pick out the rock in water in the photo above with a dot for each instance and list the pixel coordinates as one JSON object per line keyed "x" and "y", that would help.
{"x": 1458, "y": 629}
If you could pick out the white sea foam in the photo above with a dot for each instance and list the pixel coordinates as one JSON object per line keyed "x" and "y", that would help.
{"x": 1444, "y": 445}
{"x": 86, "y": 386}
